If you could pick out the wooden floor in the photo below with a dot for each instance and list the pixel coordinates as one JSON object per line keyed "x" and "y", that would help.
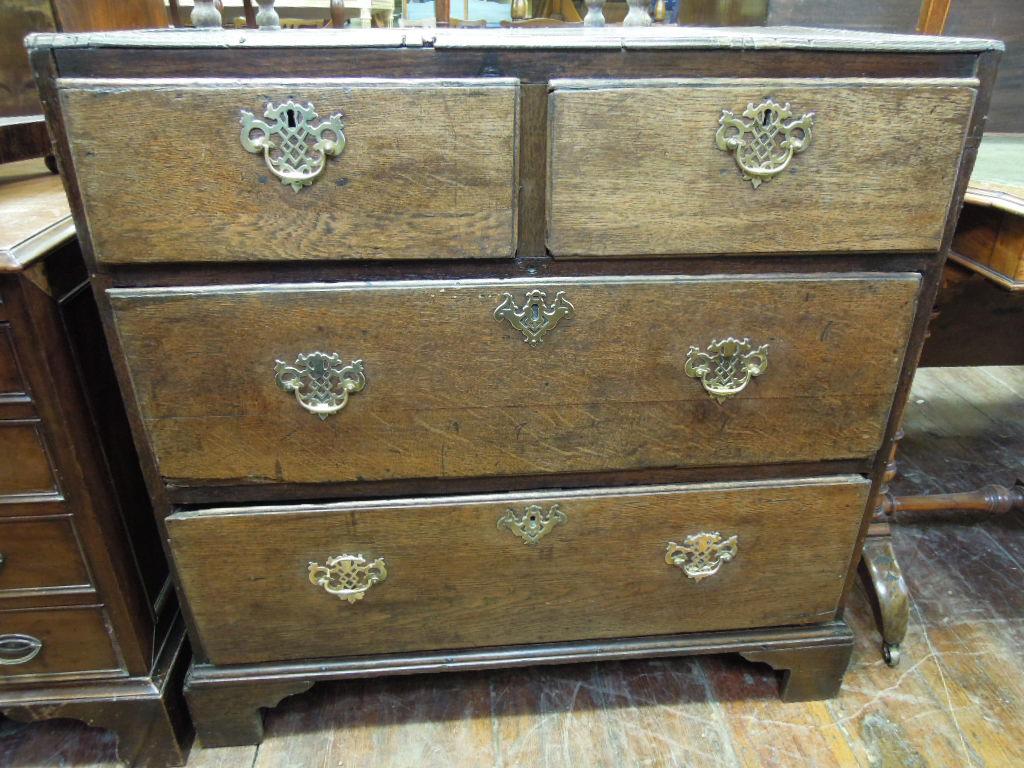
{"x": 956, "y": 700}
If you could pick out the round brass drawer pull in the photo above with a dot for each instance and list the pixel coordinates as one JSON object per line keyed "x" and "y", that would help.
{"x": 19, "y": 649}
{"x": 701, "y": 554}
{"x": 727, "y": 366}
{"x": 320, "y": 382}
{"x": 763, "y": 139}
{"x": 348, "y": 577}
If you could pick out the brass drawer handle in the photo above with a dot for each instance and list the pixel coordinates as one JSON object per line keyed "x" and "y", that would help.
{"x": 18, "y": 649}
{"x": 701, "y": 554}
{"x": 321, "y": 382}
{"x": 533, "y": 523}
{"x": 764, "y": 142}
{"x": 727, "y": 366}
{"x": 348, "y": 577}
{"x": 294, "y": 146}
{"x": 536, "y": 317}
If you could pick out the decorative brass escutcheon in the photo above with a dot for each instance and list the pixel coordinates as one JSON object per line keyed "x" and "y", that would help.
{"x": 726, "y": 367}
{"x": 764, "y": 139}
{"x": 295, "y": 147}
{"x": 701, "y": 554}
{"x": 533, "y": 523}
{"x": 321, "y": 382}
{"x": 348, "y": 577}
{"x": 536, "y": 317}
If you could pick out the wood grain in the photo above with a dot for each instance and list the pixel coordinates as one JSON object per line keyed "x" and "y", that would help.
{"x": 75, "y": 640}
{"x": 451, "y": 571}
{"x": 12, "y": 383}
{"x": 40, "y": 554}
{"x": 453, "y": 392}
{"x": 24, "y": 464}
{"x": 615, "y": 194}
{"x": 954, "y": 701}
{"x": 428, "y": 171}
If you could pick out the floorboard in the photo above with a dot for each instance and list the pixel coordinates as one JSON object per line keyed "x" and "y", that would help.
{"x": 957, "y": 699}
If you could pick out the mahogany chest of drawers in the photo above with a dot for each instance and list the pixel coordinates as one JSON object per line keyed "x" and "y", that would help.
{"x": 471, "y": 348}
{"x": 89, "y": 626}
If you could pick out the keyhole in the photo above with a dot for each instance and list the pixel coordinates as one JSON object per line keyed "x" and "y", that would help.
{"x": 766, "y": 118}
{"x": 291, "y": 118}
{"x": 536, "y": 312}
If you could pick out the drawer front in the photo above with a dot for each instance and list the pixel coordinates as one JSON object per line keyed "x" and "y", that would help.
{"x": 454, "y": 573}
{"x": 427, "y": 170}
{"x": 24, "y": 464}
{"x": 54, "y": 641}
{"x": 637, "y": 167}
{"x": 11, "y": 380}
{"x": 40, "y": 554}
{"x": 450, "y": 390}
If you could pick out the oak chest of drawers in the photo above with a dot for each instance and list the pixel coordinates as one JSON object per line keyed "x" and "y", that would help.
{"x": 89, "y": 627}
{"x": 464, "y": 349}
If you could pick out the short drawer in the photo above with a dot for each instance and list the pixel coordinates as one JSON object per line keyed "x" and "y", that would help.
{"x": 414, "y": 169}
{"x": 24, "y": 460}
{"x": 440, "y": 379}
{"x": 392, "y": 576}
{"x": 54, "y": 641}
{"x": 40, "y": 554}
{"x": 654, "y": 166}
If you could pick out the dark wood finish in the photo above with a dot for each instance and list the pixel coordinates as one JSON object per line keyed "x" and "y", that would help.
{"x": 460, "y": 410}
{"x": 229, "y": 698}
{"x": 229, "y": 715}
{"x": 392, "y": 194}
{"x": 21, "y": 542}
{"x": 74, "y": 641}
{"x": 533, "y": 130}
{"x": 75, "y": 16}
{"x": 83, "y": 570}
{"x": 147, "y": 713}
{"x": 533, "y": 57}
{"x": 22, "y": 138}
{"x": 807, "y": 674}
{"x": 978, "y": 323}
{"x": 449, "y": 569}
{"x": 24, "y": 464}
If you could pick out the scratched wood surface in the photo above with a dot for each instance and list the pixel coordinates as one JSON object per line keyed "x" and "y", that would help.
{"x": 691, "y": 197}
{"x": 393, "y": 192}
{"x": 449, "y": 568}
{"x": 463, "y": 395}
{"x": 955, "y": 700}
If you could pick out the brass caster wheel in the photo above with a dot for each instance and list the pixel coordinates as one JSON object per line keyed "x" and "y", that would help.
{"x": 891, "y": 653}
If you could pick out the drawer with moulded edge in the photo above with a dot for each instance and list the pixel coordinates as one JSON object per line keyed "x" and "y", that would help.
{"x": 351, "y": 382}
{"x": 329, "y": 580}
{"x": 39, "y": 554}
{"x": 752, "y": 166}
{"x": 55, "y": 642}
{"x": 290, "y": 170}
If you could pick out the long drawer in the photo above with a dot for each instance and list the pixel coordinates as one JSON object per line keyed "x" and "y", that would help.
{"x": 370, "y": 381}
{"x": 751, "y": 165}
{"x": 391, "y": 576}
{"x": 270, "y": 170}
